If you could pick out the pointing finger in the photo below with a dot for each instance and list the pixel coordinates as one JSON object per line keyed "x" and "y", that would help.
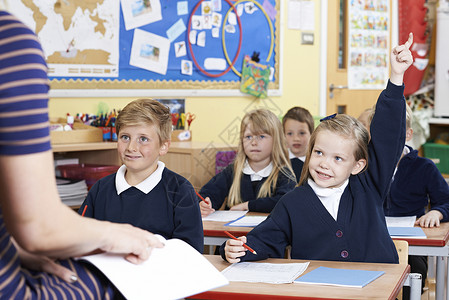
{"x": 409, "y": 41}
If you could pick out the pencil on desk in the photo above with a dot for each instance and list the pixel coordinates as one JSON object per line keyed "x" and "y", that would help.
{"x": 244, "y": 245}
{"x": 84, "y": 211}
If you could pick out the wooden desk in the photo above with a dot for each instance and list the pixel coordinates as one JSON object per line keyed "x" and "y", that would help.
{"x": 214, "y": 231}
{"x": 386, "y": 286}
{"x": 434, "y": 245}
{"x": 193, "y": 160}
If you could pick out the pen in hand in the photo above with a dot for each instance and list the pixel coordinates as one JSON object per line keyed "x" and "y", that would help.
{"x": 244, "y": 245}
{"x": 201, "y": 197}
{"x": 84, "y": 211}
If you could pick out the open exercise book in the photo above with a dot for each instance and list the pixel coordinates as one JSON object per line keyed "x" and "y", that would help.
{"x": 403, "y": 227}
{"x": 264, "y": 272}
{"x": 175, "y": 271}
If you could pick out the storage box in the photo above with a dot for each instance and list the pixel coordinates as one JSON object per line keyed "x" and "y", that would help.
{"x": 439, "y": 154}
{"x": 80, "y": 134}
{"x": 90, "y": 172}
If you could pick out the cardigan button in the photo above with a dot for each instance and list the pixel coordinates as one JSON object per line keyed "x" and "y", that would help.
{"x": 344, "y": 254}
{"x": 339, "y": 233}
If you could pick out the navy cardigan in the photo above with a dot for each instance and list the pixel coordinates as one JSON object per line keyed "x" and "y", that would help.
{"x": 217, "y": 189}
{"x": 359, "y": 233}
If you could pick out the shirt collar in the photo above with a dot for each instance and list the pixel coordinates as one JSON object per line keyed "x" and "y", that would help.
{"x": 145, "y": 186}
{"x": 256, "y": 176}
{"x": 291, "y": 156}
{"x": 327, "y": 192}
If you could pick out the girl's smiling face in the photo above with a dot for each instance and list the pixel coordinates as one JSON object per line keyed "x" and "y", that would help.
{"x": 332, "y": 160}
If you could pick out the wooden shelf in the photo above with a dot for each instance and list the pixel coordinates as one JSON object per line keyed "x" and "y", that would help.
{"x": 84, "y": 147}
{"x": 193, "y": 160}
{"x": 442, "y": 121}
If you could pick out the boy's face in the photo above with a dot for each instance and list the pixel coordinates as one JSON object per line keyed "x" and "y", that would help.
{"x": 139, "y": 149}
{"x": 332, "y": 160}
{"x": 298, "y": 136}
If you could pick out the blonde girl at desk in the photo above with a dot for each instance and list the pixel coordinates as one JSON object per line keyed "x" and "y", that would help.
{"x": 336, "y": 211}
{"x": 261, "y": 172}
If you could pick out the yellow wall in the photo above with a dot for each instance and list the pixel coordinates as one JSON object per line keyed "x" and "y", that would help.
{"x": 218, "y": 117}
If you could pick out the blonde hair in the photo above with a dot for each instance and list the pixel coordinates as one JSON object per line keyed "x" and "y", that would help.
{"x": 262, "y": 121}
{"x": 408, "y": 116}
{"x": 146, "y": 112}
{"x": 345, "y": 126}
{"x": 301, "y": 115}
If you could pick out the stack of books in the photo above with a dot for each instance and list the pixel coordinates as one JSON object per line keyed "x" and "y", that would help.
{"x": 72, "y": 191}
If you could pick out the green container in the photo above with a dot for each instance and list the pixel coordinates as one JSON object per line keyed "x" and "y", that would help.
{"x": 439, "y": 154}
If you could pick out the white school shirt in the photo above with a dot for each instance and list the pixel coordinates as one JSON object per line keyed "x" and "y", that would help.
{"x": 330, "y": 197}
{"x": 291, "y": 155}
{"x": 145, "y": 186}
{"x": 404, "y": 152}
{"x": 257, "y": 176}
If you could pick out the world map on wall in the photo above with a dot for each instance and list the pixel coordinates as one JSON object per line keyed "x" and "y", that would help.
{"x": 79, "y": 37}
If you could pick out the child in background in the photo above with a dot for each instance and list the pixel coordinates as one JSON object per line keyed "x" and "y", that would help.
{"x": 366, "y": 116}
{"x": 144, "y": 192}
{"x": 298, "y": 125}
{"x": 416, "y": 183}
{"x": 261, "y": 172}
{"x": 336, "y": 211}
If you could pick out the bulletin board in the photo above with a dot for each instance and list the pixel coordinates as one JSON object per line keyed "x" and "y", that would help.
{"x": 164, "y": 48}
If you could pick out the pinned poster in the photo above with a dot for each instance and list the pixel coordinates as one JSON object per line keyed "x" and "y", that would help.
{"x": 255, "y": 78}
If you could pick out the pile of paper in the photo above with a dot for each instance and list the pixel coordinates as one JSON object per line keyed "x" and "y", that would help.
{"x": 72, "y": 192}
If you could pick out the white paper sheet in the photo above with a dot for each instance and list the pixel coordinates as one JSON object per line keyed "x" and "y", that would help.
{"x": 149, "y": 51}
{"x": 225, "y": 215}
{"x": 248, "y": 221}
{"x": 400, "y": 221}
{"x": 137, "y": 13}
{"x": 173, "y": 272}
{"x": 264, "y": 272}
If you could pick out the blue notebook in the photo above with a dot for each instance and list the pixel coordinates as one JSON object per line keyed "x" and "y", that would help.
{"x": 339, "y": 277}
{"x": 409, "y": 232}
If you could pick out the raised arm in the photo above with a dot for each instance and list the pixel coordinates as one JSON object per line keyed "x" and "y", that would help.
{"x": 400, "y": 60}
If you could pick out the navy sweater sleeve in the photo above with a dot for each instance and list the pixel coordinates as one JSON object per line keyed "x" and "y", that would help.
{"x": 438, "y": 191}
{"x": 270, "y": 237}
{"x": 284, "y": 185}
{"x": 381, "y": 162}
{"x": 187, "y": 216}
{"x": 217, "y": 189}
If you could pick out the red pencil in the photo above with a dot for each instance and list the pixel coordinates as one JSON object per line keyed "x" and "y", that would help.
{"x": 244, "y": 245}
{"x": 84, "y": 211}
{"x": 201, "y": 197}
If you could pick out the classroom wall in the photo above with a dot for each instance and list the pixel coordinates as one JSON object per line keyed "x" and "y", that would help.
{"x": 218, "y": 118}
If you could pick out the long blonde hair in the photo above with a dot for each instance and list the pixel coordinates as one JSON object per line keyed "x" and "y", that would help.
{"x": 345, "y": 126}
{"x": 262, "y": 121}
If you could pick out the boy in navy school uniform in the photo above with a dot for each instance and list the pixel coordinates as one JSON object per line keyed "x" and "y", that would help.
{"x": 144, "y": 192}
{"x": 416, "y": 183}
{"x": 298, "y": 125}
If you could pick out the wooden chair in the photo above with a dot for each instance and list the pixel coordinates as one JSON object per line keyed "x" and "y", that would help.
{"x": 402, "y": 249}
{"x": 414, "y": 279}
